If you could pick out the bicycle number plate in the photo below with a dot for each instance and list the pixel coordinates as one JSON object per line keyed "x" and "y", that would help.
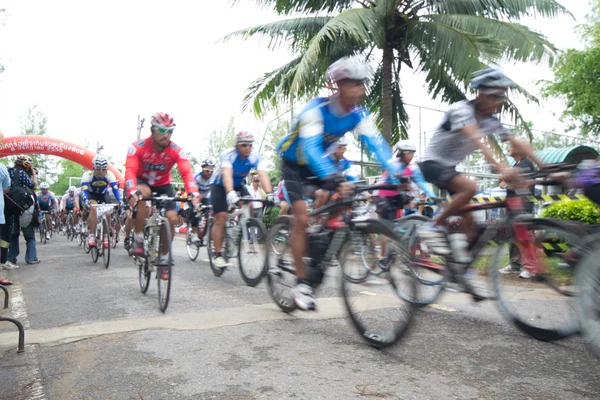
{"x": 103, "y": 209}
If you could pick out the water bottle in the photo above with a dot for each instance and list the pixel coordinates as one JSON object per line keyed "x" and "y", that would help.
{"x": 459, "y": 245}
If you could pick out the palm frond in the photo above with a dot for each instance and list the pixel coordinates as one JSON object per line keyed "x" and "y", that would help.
{"x": 296, "y": 32}
{"x": 518, "y": 43}
{"x": 511, "y": 109}
{"x": 498, "y": 9}
{"x": 460, "y": 51}
{"x": 440, "y": 82}
{"x": 357, "y": 26}
{"x": 386, "y": 8}
{"x": 303, "y": 6}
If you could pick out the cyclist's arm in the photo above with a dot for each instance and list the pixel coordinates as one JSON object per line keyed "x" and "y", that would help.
{"x": 227, "y": 173}
{"x": 185, "y": 170}
{"x": 131, "y": 170}
{"x": 372, "y": 140}
{"x": 265, "y": 182}
{"x": 112, "y": 181}
{"x": 472, "y": 132}
{"x": 417, "y": 177}
{"x": 310, "y": 140}
{"x": 85, "y": 186}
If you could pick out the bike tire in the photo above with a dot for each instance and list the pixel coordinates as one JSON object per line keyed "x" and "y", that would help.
{"x": 210, "y": 250}
{"x": 430, "y": 276}
{"x": 164, "y": 285}
{"x": 545, "y": 312}
{"x": 192, "y": 249}
{"x": 43, "y": 232}
{"x": 105, "y": 250}
{"x": 114, "y": 232}
{"x": 279, "y": 267}
{"x": 250, "y": 255}
{"x": 588, "y": 280}
{"x": 144, "y": 273}
{"x": 378, "y": 314}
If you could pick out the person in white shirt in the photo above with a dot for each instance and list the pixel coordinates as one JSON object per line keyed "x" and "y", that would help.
{"x": 256, "y": 193}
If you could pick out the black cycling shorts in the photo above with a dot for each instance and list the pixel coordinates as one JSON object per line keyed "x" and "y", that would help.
{"x": 166, "y": 190}
{"x": 100, "y": 198}
{"x": 438, "y": 174}
{"x": 191, "y": 213}
{"x": 296, "y": 177}
{"x": 218, "y": 197}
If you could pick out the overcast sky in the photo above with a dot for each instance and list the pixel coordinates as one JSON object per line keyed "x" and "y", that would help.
{"x": 93, "y": 67}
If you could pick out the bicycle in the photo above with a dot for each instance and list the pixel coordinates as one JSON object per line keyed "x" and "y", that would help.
{"x": 69, "y": 229}
{"x": 103, "y": 233}
{"x": 155, "y": 234}
{"x": 195, "y": 240}
{"x": 43, "y": 226}
{"x": 544, "y": 246}
{"x": 115, "y": 229}
{"x": 242, "y": 239}
{"x": 354, "y": 243}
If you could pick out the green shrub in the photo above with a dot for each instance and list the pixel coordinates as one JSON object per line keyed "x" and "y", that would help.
{"x": 574, "y": 210}
{"x": 270, "y": 215}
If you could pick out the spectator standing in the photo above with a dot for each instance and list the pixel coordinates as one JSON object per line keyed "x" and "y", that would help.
{"x": 256, "y": 193}
{"x": 25, "y": 175}
{"x": 4, "y": 233}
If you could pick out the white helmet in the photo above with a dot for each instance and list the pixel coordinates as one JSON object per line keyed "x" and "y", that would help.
{"x": 405, "y": 145}
{"x": 490, "y": 78}
{"x": 347, "y": 68}
{"x": 44, "y": 186}
{"x": 100, "y": 162}
{"x": 244, "y": 137}
{"x": 71, "y": 189}
{"x": 342, "y": 142}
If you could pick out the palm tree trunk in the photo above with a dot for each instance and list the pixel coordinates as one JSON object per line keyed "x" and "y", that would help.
{"x": 386, "y": 92}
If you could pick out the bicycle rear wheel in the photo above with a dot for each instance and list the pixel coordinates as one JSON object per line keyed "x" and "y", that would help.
{"x": 542, "y": 306}
{"x": 279, "y": 264}
{"x": 144, "y": 273}
{"x": 164, "y": 285}
{"x": 210, "y": 249}
{"x": 379, "y": 315}
{"x": 105, "y": 243}
{"x": 250, "y": 254}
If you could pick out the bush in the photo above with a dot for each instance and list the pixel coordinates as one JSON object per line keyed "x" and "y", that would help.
{"x": 270, "y": 215}
{"x": 583, "y": 211}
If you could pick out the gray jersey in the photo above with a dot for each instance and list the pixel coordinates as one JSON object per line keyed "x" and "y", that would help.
{"x": 448, "y": 146}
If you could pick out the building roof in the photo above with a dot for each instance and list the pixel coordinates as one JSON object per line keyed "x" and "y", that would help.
{"x": 574, "y": 154}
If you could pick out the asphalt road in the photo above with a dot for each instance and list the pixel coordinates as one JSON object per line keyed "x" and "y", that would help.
{"x": 91, "y": 334}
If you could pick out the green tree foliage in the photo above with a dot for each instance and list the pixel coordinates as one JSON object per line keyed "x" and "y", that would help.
{"x": 583, "y": 211}
{"x": 447, "y": 40}
{"x": 577, "y": 80}
{"x": 273, "y": 136}
{"x": 34, "y": 123}
{"x": 68, "y": 169}
{"x": 219, "y": 141}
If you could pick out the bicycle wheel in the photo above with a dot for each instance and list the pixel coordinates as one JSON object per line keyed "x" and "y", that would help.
{"x": 428, "y": 270}
{"x": 144, "y": 273}
{"x": 192, "y": 248}
{"x": 105, "y": 244}
{"x": 164, "y": 285}
{"x": 250, "y": 254}
{"x": 114, "y": 231}
{"x": 279, "y": 264}
{"x": 379, "y": 315}
{"x": 211, "y": 248}
{"x": 588, "y": 281}
{"x": 542, "y": 306}
{"x": 43, "y": 231}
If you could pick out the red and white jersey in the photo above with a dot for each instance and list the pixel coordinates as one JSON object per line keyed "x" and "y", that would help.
{"x": 154, "y": 168}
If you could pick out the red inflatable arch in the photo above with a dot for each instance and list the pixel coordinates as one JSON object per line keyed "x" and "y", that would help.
{"x": 14, "y": 145}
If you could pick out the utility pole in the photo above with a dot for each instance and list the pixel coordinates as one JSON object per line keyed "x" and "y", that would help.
{"x": 140, "y": 125}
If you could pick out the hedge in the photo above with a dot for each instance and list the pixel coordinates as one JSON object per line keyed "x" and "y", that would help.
{"x": 583, "y": 211}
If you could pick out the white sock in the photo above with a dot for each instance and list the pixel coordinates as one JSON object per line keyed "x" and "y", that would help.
{"x": 139, "y": 237}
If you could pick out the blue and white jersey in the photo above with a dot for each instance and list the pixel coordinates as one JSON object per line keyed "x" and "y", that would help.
{"x": 323, "y": 122}
{"x": 343, "y": 167}
{"x": 204, "y": 184}
{"x": 241, "y": 167}
{"x": 90, "y": 183}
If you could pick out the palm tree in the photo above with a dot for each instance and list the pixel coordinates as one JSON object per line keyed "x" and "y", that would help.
{"x": 444, "y": 39}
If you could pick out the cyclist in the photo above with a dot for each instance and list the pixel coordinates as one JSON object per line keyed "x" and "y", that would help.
{"x": 322, "y": 122}
{"x": 70, "y": 203}
{"x": 204, "y": 180}
{"x": 47, "y": 202}
{"x": 459, "y": 135}
{"x": 148, "y": 170}
{"x": 235, "y": 165}
{"x": 94, "y": 190}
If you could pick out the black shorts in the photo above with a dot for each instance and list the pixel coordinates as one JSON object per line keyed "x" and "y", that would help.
{"x": 191, "y": 214}
{"x": 100, "y": 198}
{"x": 438, "y": 174}
{"x": 296, "y": 177}
{"x": 387, "y": 207}
{"x": 46, "y": 208}
{"x": 218, "y": 197}
{"x": 164, "y": 190}
{"x": 592, "y": 192}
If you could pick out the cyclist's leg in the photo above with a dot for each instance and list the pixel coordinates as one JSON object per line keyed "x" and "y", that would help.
{"x": 142, "y": 211}
{"x": 220, "y": 217}
{"x": 92, "y": 218}
{"x": 284, "y": 208}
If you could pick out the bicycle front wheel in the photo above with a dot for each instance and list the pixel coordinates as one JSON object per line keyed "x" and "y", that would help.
{"x": 114, "y": 231}
{"x": 43, "y": 231}
{"x": 193, "y": 249}
{"x": 105, "y": 243}
{"x": 379, "y": 315}
{"x": 542, "y": 305}
{"x": 251, "y": 255}
{"x": 588, "y": 281}
{"x": 279, "y": 264}
{"x": 164, "y": 274}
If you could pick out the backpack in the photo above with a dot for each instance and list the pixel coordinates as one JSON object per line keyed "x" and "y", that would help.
{"x": 27, "y": 217}
{"x": 19, "y": 198}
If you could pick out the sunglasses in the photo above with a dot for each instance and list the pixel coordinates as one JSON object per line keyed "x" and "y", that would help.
{"x": 245, "y": 145}
{"x": 208, "y": 170}
{"x": 164, "y": 131}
